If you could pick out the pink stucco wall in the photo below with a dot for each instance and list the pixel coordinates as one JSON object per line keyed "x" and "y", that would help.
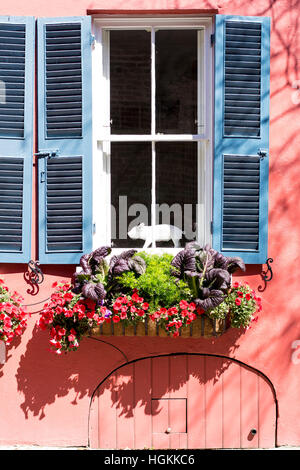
{"x": 44, "y": 398}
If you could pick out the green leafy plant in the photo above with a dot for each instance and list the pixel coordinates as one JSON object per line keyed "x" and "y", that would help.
{"x": 156, "y": 285}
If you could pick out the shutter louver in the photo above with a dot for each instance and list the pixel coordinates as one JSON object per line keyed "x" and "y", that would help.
{"x": 16, "y": 137}
{"x": 12, "y": 79}
{"x": 64, "y": 204}
{"x": 240, "y": 229}
{"x": 241, "y": 166}
{"x": 63, "y": 81}
{"x": 242, "y": 79}
{"x": 65, "y": 139}
{"x": 11, "y": 203}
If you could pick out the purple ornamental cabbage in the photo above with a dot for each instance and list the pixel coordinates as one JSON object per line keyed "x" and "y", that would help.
{"x": 207, "y": 272}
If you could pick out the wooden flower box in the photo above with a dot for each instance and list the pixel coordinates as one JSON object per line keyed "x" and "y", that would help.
{"x": 202, "y": 327}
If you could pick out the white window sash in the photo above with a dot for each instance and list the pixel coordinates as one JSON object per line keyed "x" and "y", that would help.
{"x": 101, "y": 125}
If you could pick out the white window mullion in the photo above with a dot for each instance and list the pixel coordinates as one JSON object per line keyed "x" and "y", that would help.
{"x": 153, "y": 82}
{"x": 153, "y": 131}
{"x": 153, "y": 194}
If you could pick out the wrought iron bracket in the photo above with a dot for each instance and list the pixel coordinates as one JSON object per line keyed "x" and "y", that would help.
{"x": 267, "y": 275}
{"x": 34, "y": 276}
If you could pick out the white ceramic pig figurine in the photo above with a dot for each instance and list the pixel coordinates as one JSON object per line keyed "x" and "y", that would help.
{"x": 162, "y": 233}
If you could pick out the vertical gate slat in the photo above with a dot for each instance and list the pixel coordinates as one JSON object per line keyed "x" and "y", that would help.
{"x": 125, "y": 408}
{"x": 213, "y": 403}
{"x": 160, "y": 377}
{"x": 142, "y": 404}
{"x": 196, "y": 403}
{"x": 249, "y": 408}
{"x": 232, "y": 406}
{"x": 266, "y": 415}
{"x": 107, "y": 418}
{"x": 178, "y": 377}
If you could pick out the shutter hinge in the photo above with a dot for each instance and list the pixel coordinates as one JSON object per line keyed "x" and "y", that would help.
{"x": 94, "y": 228}
{"x": 42, "y": 177}
{"x": 92, "y": 40}
{"x": 262, "y": 153}
{"x": 212, "y": 39}
{"x": 211, "y": 226}
{"x": 46, "y": 153}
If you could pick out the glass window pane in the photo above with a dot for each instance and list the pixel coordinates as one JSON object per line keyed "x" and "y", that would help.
{"x": 130, "y": 82}
{"x": 131, "y": 179}
{"x": 176, "y": 82}
{"x": 176, "y": 191}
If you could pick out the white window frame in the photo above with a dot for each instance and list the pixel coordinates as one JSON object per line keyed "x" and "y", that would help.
{"x": 101, "y": 125}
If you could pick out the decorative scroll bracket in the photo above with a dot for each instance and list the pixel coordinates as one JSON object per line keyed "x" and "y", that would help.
{"x": 34, "y": 276}
{"x": 267, "y": 275}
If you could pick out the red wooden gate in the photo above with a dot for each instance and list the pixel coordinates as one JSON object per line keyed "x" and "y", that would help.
{"x": 184, "y": 401}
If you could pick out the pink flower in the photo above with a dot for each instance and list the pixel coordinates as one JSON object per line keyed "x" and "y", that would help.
{"x": 72, "y": 335}
{"x": 238, "y": 301}
{"x": 183, "y": 304}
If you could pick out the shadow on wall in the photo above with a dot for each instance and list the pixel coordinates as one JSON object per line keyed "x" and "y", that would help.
{"x": 43, "y": 377}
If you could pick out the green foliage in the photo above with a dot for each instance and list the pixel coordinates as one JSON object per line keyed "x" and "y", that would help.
{"x": 220, "y": 311}
{"x": 156, "y": 285}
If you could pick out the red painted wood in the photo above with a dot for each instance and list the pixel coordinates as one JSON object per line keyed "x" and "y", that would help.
{"x": 249, "y": 408}
{"x": 107, "y": 414}
{"x": 178, "y": 376}
{"x": 213, "y": 403}
{"x": 196, "y": 402}
{"x": 160, "y": 377}
{"x": 160, "y": 416}
{"x": 183, "y": 402}
{"x": 125, "y": 408}
{"x": 231, "y": 406}
{"x": 142, "y": 405}
{"x": 266, "y": 415}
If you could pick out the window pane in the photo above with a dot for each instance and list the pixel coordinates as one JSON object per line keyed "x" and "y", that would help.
{"x": 131, "y": 178}
{"x": 176, "y": 190}
{"x": 176, "y": 82}
{"x": 130, "y": 82}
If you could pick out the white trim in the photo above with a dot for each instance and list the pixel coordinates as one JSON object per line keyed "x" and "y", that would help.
{"x": 101, "y": 127}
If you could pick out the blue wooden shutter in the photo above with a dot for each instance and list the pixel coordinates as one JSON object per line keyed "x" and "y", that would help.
{"x": 64, "y": 139}
{"x": 241, "y": 146}
{"x": 16, "y": 137}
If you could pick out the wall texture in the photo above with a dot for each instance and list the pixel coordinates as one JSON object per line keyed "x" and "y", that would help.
{"x": 45, "y": 399}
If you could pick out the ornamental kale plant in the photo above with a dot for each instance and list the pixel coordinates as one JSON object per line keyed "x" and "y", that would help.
{"x": 97, "y": 279}
{"x": 207, "y": 272}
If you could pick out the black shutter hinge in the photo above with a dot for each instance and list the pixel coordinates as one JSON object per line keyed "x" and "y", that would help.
{"x": 262, "y": 153}
{"x": 211, "y": 227}
{"x": 47, "y": 153}
{"x": 212, "y": 39}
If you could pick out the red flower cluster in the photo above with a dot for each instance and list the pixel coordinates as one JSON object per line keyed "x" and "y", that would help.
{"x": 13, "y": 318}
{"x": 129, "y": 308}
{"x": 249, "y": 295}
{"x": 69, "y": 317}
{"x": 176, "y": 317}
